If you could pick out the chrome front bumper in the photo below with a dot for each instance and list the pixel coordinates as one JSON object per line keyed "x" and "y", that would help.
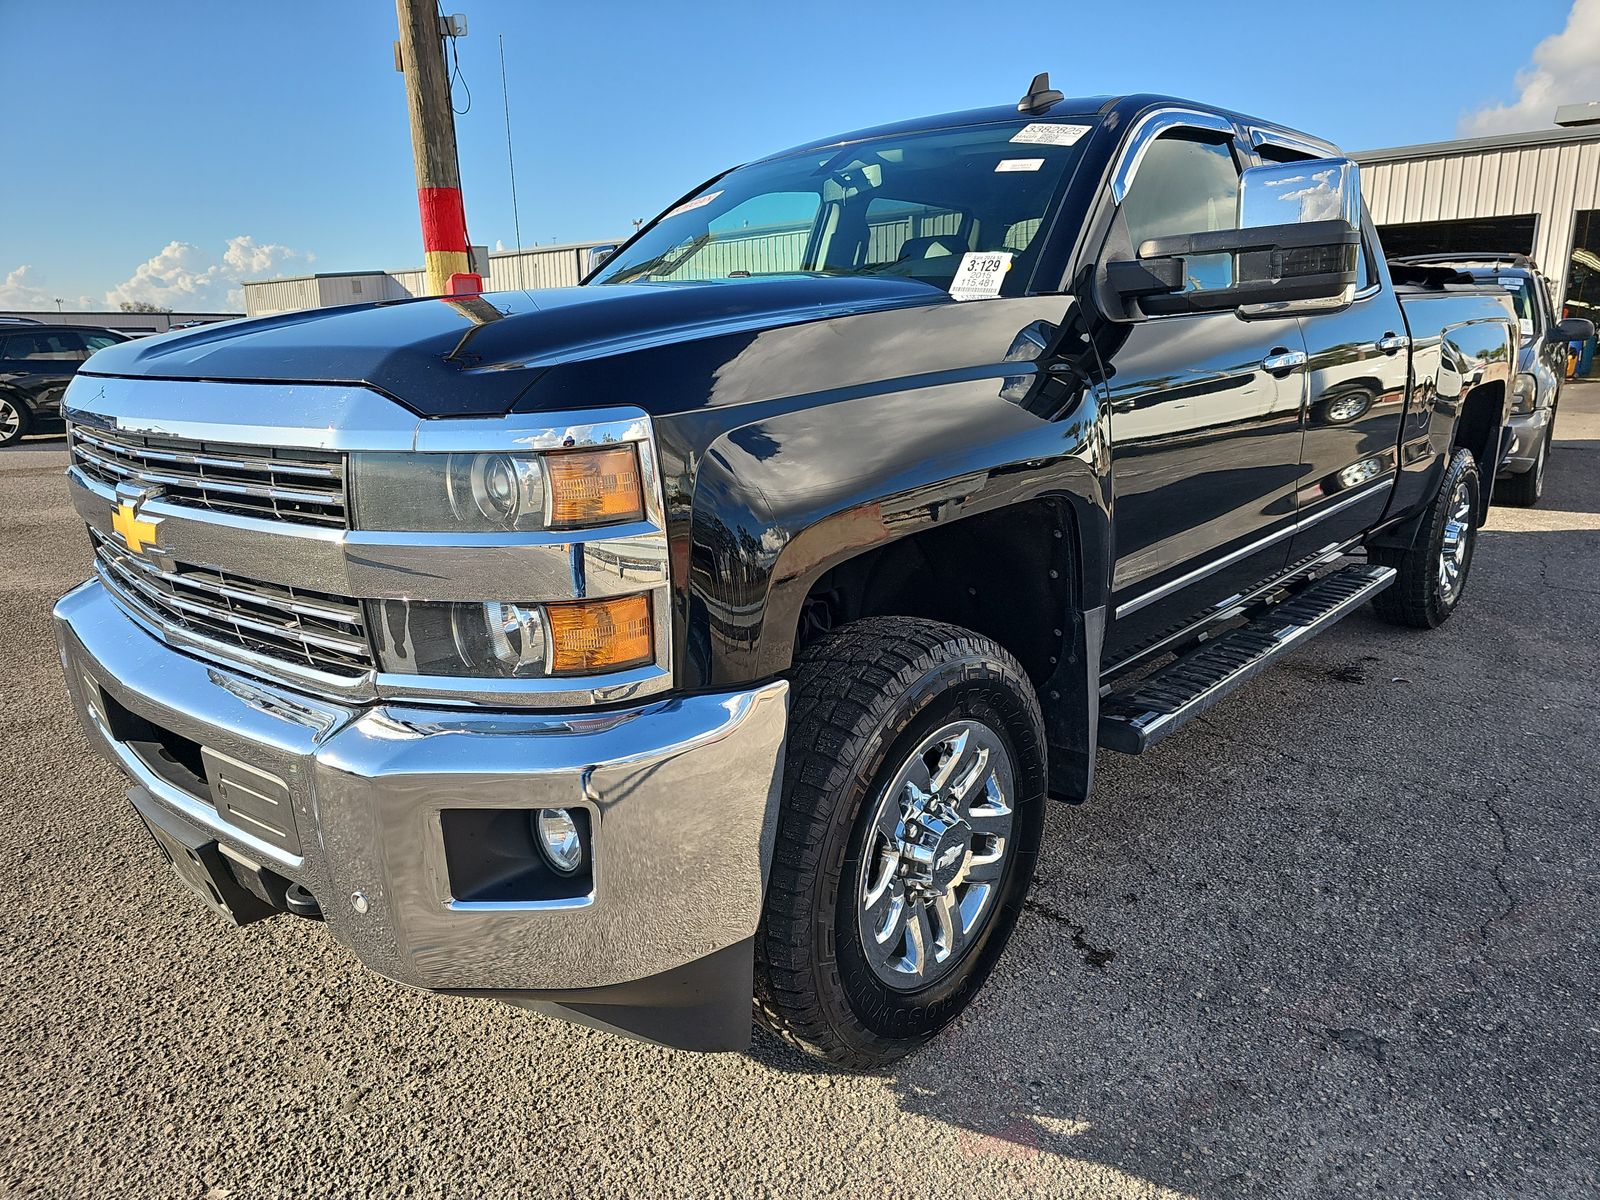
{"x": 681, "y": 796}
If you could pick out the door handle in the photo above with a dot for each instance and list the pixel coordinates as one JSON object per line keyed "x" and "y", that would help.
{"x": 1393, "y": 343}
{"x": 1281, "y": 361}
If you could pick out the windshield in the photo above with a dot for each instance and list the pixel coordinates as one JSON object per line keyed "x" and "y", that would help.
{"x": 907, "y": 205}
{"x": 1521, "y": 289}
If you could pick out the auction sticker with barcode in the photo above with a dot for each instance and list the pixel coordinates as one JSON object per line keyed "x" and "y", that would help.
{"x": 1049, "y": 133}
{"x": 980, "y": 274}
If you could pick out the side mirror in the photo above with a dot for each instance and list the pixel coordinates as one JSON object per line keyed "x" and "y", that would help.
{"x": 596, "y": 258}
{"x": 1574, "y": 329}
{"x": 1297, "y": 239}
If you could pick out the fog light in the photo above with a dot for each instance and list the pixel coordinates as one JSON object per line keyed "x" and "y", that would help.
{"x": 558, "y": 838}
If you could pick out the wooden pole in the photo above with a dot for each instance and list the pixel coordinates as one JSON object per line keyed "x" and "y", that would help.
{"x": 445, "y": 248}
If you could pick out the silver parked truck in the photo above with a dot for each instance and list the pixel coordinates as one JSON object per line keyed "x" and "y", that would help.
{"x": 706, "y": 640}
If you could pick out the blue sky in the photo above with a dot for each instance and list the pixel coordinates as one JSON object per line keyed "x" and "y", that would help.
{"x": 174, "y": 148}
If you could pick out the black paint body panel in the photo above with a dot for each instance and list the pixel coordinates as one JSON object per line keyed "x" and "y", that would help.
{"x": 803, "y": 421}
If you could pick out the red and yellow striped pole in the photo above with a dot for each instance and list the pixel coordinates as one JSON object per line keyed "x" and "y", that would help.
{"x": 445, "y": 248}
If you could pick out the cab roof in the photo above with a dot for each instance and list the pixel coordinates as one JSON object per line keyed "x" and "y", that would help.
{"x": 1120, "y": 109}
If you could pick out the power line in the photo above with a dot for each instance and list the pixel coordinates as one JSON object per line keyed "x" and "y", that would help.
{"x": 511, "y": 163}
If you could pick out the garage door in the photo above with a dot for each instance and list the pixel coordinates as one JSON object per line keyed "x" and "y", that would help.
{"x": 1481, "y": 235}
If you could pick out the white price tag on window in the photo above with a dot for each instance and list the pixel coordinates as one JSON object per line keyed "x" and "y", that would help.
{"x": 1049, "y": 133}
{"x": 689, "y": 205}
{"x": 980, "y": 274}
{"x": 1019, "y": 164}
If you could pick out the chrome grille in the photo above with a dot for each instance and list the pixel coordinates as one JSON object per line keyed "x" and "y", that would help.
{"x": 305, "y": 487}
{"x": 309, "y": 629}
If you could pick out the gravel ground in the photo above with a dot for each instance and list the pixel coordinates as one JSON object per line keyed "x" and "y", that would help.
{"x": 1336, "y": 939}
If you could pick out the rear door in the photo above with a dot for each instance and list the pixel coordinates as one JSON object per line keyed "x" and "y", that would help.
{"x": 1359, "y": 371}
{"x": 40, "y": 363}
{"x": 1206, "y": 412}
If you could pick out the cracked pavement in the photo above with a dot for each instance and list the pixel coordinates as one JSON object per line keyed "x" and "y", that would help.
{"x": 1338, "y": 938}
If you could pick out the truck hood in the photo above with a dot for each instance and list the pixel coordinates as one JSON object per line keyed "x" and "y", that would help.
{"x": 475, "y": 356}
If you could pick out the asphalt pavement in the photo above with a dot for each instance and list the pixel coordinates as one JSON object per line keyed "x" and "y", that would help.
{"x": 1336, "y": 939}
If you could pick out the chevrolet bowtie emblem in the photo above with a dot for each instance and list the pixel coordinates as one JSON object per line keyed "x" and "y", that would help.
{"x": 136, "y": 532}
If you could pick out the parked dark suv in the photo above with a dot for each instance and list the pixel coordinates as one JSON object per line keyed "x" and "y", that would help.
{"x": 1541, "y": 365}
{"x": 36, "y": 364}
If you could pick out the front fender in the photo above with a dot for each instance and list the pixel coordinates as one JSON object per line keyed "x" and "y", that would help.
{"x": 782, "y": 500}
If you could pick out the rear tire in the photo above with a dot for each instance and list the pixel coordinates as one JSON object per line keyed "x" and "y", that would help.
{"x": 914, "y": 777}
{"x": 16, "y": 419}
{"x": 1524, "y": 490}
{"x": 1433, "y": 570}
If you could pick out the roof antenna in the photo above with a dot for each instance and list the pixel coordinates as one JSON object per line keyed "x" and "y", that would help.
{"x": 1040, "y": 95}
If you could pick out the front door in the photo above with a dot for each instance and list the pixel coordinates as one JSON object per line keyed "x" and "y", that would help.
{"x": 1206, "y": 417}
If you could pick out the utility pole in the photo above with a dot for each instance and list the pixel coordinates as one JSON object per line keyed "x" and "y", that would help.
{"x": 419, "y": 55}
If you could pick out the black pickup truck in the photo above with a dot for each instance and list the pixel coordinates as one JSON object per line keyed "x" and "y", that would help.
{"x": 719, "y": 628}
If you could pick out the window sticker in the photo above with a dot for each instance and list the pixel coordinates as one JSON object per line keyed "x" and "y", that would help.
{"x": 697, "y": 202}
{"x": 980, "y": 274}
{"x": 1019, "y": 164}
{"x": 1527, "y": 326}
{"x": 1048, "y": 133}
{"x": 1511, "y": 283}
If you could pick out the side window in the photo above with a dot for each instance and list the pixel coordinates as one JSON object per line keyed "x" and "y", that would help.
{"x": 62, "y": 346}
{"x": 1186, "y": 185}
{"x": 99, "y": 341}
{"x": 67, "y": 346}
{"x": 17, "y": 346}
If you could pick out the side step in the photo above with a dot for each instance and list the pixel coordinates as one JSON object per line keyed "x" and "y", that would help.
{"x": 1135, "y": 720}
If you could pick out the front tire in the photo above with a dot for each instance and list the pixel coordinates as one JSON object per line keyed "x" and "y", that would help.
{"x": 913, "y": 805}
{"x": 1433, "y": 569}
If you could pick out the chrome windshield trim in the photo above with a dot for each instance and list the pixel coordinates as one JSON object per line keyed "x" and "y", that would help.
{"x": 1144, "y": 600}
{"x": 1151, "y": 126}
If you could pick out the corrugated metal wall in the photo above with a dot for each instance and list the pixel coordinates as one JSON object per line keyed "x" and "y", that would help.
{"x": 541, "y": 267}
{"x": 557, "y": 266}
{"x": 1553, "y": 181}
{"x": 267, "y": 296}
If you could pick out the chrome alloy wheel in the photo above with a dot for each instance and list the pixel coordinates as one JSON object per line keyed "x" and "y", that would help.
{"x": 10, "y": 420}
{"x": 933, "y": 859}
{"x": 1457, "y": 542}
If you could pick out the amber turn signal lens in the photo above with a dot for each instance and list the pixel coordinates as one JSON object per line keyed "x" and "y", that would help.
{"x": 599, "y": 635}
{"x": 594, "y": 487}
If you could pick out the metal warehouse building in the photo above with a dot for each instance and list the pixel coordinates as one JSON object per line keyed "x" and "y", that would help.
{"x": 1532, "y": 193}
{"x": 542, "y": 267}
{"x": 1529, "y": 193}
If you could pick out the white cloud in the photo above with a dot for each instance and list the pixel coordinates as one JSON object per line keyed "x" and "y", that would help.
{"x": 20, "y": 292}
{"x": 1565, "y": 70}
{"x": 185, "y": 278}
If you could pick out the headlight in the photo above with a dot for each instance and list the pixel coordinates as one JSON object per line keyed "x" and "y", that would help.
{"x": 1524, "y": 394}
{"x": 501, "y": 640}
{"x": 497, "y": 492}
